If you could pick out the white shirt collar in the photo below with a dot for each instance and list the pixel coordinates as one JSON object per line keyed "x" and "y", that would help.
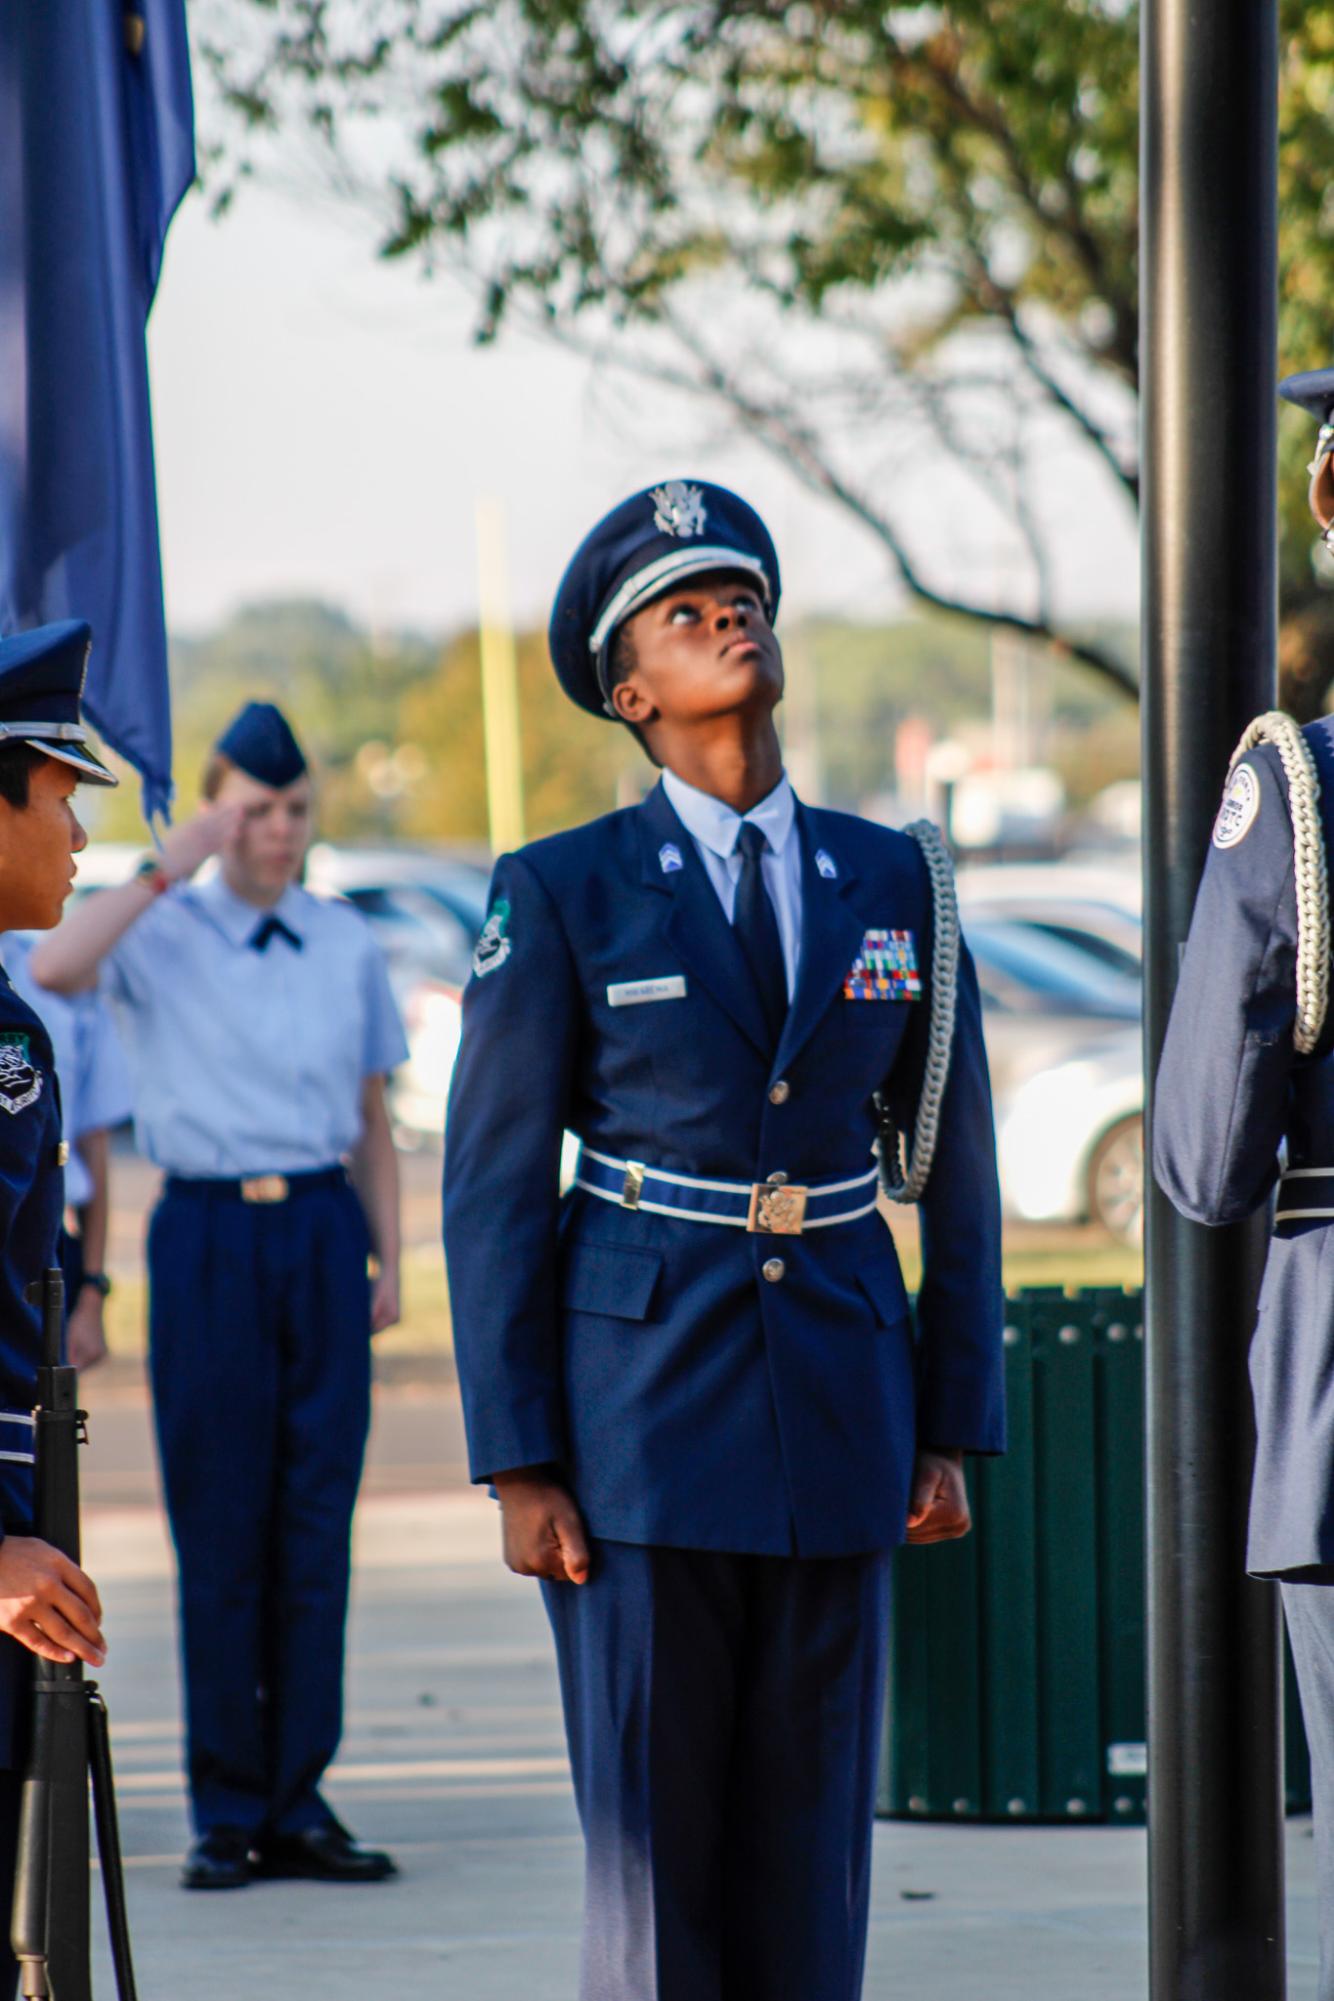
{"x": 717, "y": 826}
{"x": 238, "y": 920}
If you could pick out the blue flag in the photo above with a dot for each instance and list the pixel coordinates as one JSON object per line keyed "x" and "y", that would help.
{"x": 96, "y": 151}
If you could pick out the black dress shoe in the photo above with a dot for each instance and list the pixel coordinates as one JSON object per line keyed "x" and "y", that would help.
{"x": 324, "y": 1854}
{"x": 218, "y": 1860}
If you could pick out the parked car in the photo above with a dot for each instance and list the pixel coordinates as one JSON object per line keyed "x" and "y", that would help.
{"x": 1062, "y": 1028}
{"x": 426, "y": 909}
{"x": 1096, "y": 909}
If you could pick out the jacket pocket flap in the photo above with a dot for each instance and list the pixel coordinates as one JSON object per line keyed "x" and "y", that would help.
{"x": 882, "y": 1282}
{"x": 616, "y": 1279}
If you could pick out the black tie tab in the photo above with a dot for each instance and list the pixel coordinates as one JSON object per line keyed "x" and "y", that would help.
{"x": 273, "y": 927}
{"x": 756, "y": 925}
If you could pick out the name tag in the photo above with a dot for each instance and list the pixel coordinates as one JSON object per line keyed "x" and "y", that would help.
{"x": 629, "y": 993}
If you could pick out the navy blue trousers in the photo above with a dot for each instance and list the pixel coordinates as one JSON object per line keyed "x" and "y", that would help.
{"x": 259, "y": 1327}
{"x": 1308, "y": 1607}
{"x": 723, "y": 1718}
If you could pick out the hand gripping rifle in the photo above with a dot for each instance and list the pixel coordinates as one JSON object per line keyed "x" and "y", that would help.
{"x": 71, "y": 1742}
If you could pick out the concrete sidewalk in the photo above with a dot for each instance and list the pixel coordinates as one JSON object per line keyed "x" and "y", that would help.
{"x": 454, "y": 1759}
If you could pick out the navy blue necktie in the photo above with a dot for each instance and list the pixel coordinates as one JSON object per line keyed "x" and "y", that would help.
{"x": 273, "y": 927}
{"x": 756, "y": 925}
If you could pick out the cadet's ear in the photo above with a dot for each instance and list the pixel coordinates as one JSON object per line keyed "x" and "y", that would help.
{"x": 632, "y": 705}
{"x": 1322, "y": 490}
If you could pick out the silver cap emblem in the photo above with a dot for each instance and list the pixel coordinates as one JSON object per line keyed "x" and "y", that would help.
{"x": 678, "y": 509}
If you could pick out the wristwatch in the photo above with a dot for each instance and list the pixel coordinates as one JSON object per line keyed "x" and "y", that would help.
{"x": 98, "y": 1280}
{"x": 151, "y": 872}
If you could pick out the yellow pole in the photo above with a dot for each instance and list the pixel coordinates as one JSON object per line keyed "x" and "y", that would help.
{"x": 500, "y": 683}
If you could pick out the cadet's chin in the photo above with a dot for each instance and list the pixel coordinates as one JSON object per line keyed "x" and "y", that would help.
{"x": 45, "y": 915}
{"x": 754, "y": 679}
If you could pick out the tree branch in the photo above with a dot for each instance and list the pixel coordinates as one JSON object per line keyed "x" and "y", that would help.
{"x": 788, "y": 442}
{"x": 929, "y": 63}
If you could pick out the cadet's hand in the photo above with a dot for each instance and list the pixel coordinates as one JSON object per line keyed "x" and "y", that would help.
{"x": 543, "y": 1529}
{"x": 86, "y": 1335}
{"x": 938, "y": 1502}
{"x": 189, "y": 846}
{"x": 48, "y": 1604}
{"x": 385, "y": 1309}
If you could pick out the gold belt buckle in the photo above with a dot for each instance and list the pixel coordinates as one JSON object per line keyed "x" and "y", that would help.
{"x": 777, "y": 1209}
{"x": 265, "y": 1188}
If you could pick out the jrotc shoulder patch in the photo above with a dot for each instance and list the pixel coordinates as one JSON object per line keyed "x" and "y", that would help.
{"x": 1241, "y": 803}
{"x": 20, "y": 1079}
{"x": 885, "y": 969}
{"x": 495, "y": 944}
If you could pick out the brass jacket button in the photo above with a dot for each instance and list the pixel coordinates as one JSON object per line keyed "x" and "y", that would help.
{"x": 780, "y": 1092}
{"x": 773, "y": 1269}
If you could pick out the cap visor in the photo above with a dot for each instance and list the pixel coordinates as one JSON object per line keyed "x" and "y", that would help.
{"x": 656, "y": 579}
{"x": 78, "y": 756}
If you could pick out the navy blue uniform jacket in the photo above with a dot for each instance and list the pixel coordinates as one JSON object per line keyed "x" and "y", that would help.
{"x": 688, "y": 1401}
{"x": 32, "y": 1194}
{"x": 1232, "y": 1091}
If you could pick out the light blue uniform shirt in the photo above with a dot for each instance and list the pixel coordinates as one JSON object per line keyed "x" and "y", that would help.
{"x": 715, "y": 829}
{"x": 91, "y": 1069}
{"x": 248, "y": 1062}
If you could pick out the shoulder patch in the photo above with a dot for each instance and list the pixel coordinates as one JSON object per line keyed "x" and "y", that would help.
{"x": 20, "y": 1079}
{"x": 495, "y": 944}
{"x": 1241, "y": 803}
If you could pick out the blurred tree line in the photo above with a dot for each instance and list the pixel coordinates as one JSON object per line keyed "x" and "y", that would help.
{"x": 394, "y": 722}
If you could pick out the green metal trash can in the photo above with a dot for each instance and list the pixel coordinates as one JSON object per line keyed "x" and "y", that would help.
{"x": 1017, "y": 1656}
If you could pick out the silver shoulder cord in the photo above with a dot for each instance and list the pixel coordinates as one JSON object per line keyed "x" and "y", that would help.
{"x": 904, "y": 1171}
{"x": 1310, "y": 873}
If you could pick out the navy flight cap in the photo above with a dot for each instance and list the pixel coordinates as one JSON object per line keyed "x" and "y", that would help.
{"x": 260, "y": 743}
{"x": 41, "y": 680}
{"x": 645, "y": 547}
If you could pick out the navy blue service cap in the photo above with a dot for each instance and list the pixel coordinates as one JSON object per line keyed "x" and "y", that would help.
{"x": 647, "y": 546}
{"x": 1312, "y": 391}
{"x": 41, "y": 680}
{"x": 260, "y": 742}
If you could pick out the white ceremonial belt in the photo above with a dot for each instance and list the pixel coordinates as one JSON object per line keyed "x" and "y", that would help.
{"x": 1305, "y": 1195}
{"x": 773, "y": 1208}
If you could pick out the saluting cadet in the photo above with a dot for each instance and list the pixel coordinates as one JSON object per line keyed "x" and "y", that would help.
{"x": 260, "y": 1027}
{"x": 1246, "y": 1072}
{"x": 694, "y": 1382}
{"x": 47, "y": 1604}
{"x": 94, "y": 1099}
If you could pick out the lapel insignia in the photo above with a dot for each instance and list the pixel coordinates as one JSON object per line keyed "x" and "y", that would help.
{"x": 826, "y": 864}
{"x": 885, "y": 969}
{"x": 669, "y": 858}
{"x": 20, "y": 1080}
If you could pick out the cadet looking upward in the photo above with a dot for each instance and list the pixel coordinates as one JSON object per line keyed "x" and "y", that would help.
{"x": 259, "y": 1026}
{"x": 1244, "y": 1107}
{"x": 47, "y": 1605}
{"x": 693, "y": 1381}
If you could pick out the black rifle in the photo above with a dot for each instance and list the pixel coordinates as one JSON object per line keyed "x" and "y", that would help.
{"x": 71, "y": 1742}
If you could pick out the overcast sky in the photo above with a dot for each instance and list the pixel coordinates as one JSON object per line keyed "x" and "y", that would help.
{"x": 324, "y": 428}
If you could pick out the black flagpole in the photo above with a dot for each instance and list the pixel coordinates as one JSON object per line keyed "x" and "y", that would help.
{"x": 1208, "y": 333}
